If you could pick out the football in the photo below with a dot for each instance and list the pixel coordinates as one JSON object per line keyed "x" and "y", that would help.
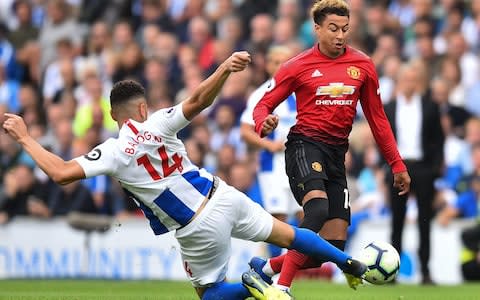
{"x": 382, "y": 260}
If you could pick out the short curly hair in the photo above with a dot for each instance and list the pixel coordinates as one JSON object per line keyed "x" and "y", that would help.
{"x": 125, "y": 90}
{"x": 322, "y": 8}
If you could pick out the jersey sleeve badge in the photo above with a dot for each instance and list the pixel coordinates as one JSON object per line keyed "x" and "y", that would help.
{"x": 93, "y": 155}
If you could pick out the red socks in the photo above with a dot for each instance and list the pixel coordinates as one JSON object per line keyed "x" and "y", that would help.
{"x": 292, "y": 263}
{"x": 289, "y": 264}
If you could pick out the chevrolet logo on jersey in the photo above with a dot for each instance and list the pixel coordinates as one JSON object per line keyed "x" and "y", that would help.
{"x": 335, "y": 89}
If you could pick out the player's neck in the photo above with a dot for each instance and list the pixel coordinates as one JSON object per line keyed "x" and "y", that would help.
{"x": 327, "y": 53}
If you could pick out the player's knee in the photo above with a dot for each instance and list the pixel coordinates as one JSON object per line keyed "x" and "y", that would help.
{"x": 339, "y": 244}
{"x": 316, "y": 214}
{"x": 314, "y": 194}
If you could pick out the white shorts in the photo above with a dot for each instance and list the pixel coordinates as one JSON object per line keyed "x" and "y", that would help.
{"x": 205, "y": 243}
{"x": 276, "y": 194}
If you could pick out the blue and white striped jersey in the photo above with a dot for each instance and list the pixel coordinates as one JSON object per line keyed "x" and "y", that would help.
{"x": 151, "y": 164}
{"x": 287, "y": 113}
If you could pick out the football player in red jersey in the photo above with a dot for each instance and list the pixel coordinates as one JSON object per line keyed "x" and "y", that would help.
{"x": 328, "y": 80}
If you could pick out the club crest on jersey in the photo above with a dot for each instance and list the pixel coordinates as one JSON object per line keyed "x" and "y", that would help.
{"x": 353, "y": 72}
{"x": 316, "y": 166}
{"x": 335, "y": 89}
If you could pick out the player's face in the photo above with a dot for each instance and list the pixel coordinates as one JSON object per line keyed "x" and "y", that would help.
{"x": 332, "y": 34}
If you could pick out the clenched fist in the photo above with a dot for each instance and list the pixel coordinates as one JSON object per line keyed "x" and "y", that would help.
{"x": 269, "y": 124}
{"x": 15, "y": 126}
{"x": 238, "y": 61}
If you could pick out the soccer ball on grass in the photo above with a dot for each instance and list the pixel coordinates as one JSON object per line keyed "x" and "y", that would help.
{"x": 382, "y": 260}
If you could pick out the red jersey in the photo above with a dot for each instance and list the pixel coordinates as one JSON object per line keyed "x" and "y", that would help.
{"x": 327, "y": 91}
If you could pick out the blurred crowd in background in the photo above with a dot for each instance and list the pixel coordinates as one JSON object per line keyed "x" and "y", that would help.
{"x": 59, "y": 59}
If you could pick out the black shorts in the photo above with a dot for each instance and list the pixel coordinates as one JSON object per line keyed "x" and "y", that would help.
{"x": 313, "y": 165}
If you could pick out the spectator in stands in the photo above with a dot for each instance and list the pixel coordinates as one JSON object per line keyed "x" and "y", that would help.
{"x": 64, "y": 139}
{"x": 391, "y": 65}
{"x": 225, "y": 160}
{"x": 284, "y": 31}
{"x": 60, "y": 73}
{"x": 470, "y": 256}
{"x": 261, "y": 32}
{"x": 95, "y": 110}
{"x": 8, "y": 91}
{"x": 130, "y": 64}
{"x": 450, "y": 70}
{"x": 7, "y": 55}
{"x": 221, "y": 50}
{"x": 230, "y": 29}
{"x": 470, "y": 26}
{"x": 242, "y": 176}
{"x": 200, "y": 37}
{"x": 458, "y": 50}
{"x": 154, "y": 12}
{"x": 59, "y": 25}
{"x": 226, "y": 131}
{"x": 218, "y": 10}
{"x": 63, "y": 199}
{"x": 440, "y": 90}
{"x": 466, "y": 205}
{"x": 472, "y": 137}
{"x": 386, "y": 45}
{"x": 148, "y": 38}
{"x": 99, "y": 49}
{"x": 11, "y": 155}
{"x": 22, "y": 194}
{"x": 123, "y": 36}
{"x": 24, "y": 31}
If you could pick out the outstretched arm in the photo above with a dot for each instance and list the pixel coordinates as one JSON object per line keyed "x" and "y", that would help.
{"x": 62, "y": 172}
{"x": 206, "y": 92}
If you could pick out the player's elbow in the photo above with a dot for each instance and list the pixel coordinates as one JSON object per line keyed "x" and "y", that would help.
{"x": 61, "y": 177}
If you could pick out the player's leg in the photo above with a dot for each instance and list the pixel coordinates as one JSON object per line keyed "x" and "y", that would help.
{"x": 305, "y": 167}
{"x": 206, "y": 245}
{"x": 337, "y": 212}
{"x": 255, "y": 224}
{"x": 424, "y": 190}
{"x": 251, "y": 222}
{"x": 309, "y": 243}
{"x": 206, "y": 251}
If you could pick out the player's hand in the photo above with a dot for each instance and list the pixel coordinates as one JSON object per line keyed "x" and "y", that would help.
{"x": 269, "y": 124}
{"x": 238, "y": 61}
{"x": 15, "y": 126}
{"x": 402, "y": 182}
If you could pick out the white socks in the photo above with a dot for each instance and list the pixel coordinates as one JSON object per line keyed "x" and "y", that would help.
{"x": 267, "y": 269}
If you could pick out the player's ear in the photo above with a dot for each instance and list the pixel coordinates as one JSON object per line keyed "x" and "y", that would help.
{"x": 143, "y": 110}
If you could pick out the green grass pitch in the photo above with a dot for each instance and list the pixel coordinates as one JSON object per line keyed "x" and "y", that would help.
{"x": 167, "y": 290}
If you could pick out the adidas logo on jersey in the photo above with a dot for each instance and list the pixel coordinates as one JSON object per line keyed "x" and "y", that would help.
{"x": 317, "y": 73}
